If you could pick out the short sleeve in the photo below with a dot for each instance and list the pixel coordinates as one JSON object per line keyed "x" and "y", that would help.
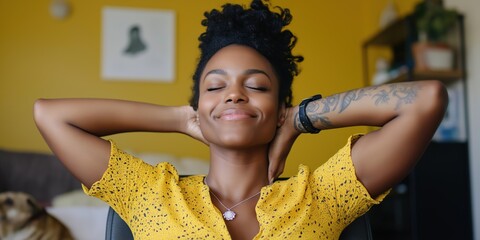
{"x": 336, "y": 183}
{"x": 119, "y": 185}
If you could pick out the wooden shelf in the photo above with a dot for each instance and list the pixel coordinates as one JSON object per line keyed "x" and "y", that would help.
{"x": 444, "y": 76}
{"x": 392, "y": 34}
{"x": 399, "y": 37}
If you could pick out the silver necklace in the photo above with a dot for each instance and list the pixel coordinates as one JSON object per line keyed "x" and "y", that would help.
{"x": 229, "y": 215}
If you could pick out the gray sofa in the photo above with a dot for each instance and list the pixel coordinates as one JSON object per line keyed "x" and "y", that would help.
{"x": 38, "y": 174}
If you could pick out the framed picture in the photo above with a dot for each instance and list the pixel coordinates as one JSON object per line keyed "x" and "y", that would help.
{"x": 138, "y": 44}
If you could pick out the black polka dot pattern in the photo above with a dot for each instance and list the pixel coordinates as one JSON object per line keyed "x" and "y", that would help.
{"x": 156, "y": 204}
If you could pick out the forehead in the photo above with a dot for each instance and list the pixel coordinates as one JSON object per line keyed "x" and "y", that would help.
{"x": 238, "y": 58}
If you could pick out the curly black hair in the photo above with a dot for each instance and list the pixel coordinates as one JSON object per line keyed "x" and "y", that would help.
{"x": 258, "y": 28}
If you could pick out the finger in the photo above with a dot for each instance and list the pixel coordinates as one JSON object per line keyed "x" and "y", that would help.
{"x": 277, "y": 159}
{"x": 281, "y": 146}
{"x": 276, "y": 170}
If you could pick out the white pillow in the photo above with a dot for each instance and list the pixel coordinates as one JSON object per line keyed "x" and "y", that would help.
{"x": 76, "y": 198}
{"x": 84, "y": 222}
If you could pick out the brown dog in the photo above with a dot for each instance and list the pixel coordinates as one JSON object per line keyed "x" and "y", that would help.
{"x": 22, "y": 217}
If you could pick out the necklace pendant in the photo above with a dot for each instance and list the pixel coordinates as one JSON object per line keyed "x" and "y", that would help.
{"x": 229, "y": 215}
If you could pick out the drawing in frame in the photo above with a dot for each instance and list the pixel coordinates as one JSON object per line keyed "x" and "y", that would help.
{"x": 138, "y": 44}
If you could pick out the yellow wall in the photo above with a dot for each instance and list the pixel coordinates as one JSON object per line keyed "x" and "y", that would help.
{"x": 45, "y": 58}
{"x": 372, "y": 11}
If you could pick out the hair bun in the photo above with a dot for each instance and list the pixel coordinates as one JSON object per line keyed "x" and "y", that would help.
{"x": 257, "y": 27}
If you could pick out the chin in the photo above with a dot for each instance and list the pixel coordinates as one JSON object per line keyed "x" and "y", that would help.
{"x": 239, "y": 136}
{"x": 241, "y": 141}
{"x": 236, "y": 141}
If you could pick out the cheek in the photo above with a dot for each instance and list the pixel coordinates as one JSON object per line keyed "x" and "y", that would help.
{"x": 206, "y": 105}
{"x": 270, "y": 122}
{"x": 269, "y": 107}
{"x": 205, "y": 108}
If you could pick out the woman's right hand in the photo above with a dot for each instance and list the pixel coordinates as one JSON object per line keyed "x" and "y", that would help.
{"x": 192, "y": 126}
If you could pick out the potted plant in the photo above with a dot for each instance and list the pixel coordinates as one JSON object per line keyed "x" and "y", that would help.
{"x": 433, "y": 23}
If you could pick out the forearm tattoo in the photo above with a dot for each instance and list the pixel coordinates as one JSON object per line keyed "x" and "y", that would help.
{"x": 399, "y": 94}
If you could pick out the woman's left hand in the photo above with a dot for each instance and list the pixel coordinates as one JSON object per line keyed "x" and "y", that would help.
{"x": 281, "y": 144}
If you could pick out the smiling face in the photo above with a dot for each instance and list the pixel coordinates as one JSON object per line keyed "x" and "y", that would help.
{"x": 238, "y": 105}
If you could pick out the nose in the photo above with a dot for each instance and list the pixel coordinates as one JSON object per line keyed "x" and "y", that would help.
{"x": 236, "y": 95}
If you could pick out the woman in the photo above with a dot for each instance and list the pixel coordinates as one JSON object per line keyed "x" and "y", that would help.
{"x": 241, "y": 108}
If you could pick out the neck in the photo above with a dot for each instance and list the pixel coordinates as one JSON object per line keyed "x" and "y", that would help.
{"x": 237, "y": 174}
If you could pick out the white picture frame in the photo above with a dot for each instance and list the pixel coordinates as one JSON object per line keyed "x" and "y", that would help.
{"x": 138, "y": 44}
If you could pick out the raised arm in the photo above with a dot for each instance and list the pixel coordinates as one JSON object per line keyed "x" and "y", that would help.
{"x": 73, "y": 129}
{"x": 407, "y": 113}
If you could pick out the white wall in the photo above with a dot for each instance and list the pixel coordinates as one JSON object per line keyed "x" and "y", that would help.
{"x": 470, "y": 9}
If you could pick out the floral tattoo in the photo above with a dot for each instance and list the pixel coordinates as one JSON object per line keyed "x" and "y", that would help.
{"x": 400, "y": 94}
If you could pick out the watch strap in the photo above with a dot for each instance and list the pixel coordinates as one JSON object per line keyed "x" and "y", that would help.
{"x": 302, "y": 114}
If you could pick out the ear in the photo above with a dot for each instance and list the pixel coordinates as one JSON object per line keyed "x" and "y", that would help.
{"x": 282, "y": 111}
{"x": 35, "y": 208}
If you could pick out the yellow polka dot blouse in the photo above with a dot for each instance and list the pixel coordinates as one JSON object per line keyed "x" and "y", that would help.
{"x": 156, "y": 204}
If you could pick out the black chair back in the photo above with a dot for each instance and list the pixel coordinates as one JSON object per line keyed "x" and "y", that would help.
{"x": 117, "y": 229}
{"x": 360, "y": 229}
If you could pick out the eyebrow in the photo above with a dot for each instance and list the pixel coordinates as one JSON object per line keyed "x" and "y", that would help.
{"x": 246, "y": 72}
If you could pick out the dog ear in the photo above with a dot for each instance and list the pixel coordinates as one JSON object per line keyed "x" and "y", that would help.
{"x": 35, "y": 207}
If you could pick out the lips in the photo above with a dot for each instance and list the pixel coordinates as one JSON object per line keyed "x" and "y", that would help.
{"x": 235, "y": 114}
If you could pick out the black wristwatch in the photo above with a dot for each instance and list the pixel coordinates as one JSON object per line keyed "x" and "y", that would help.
{"x": 302, "y": 114}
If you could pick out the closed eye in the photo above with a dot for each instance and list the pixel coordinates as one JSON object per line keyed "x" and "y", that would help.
{"x": 213, "y": 89}
{"x": 261, "y": 89}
